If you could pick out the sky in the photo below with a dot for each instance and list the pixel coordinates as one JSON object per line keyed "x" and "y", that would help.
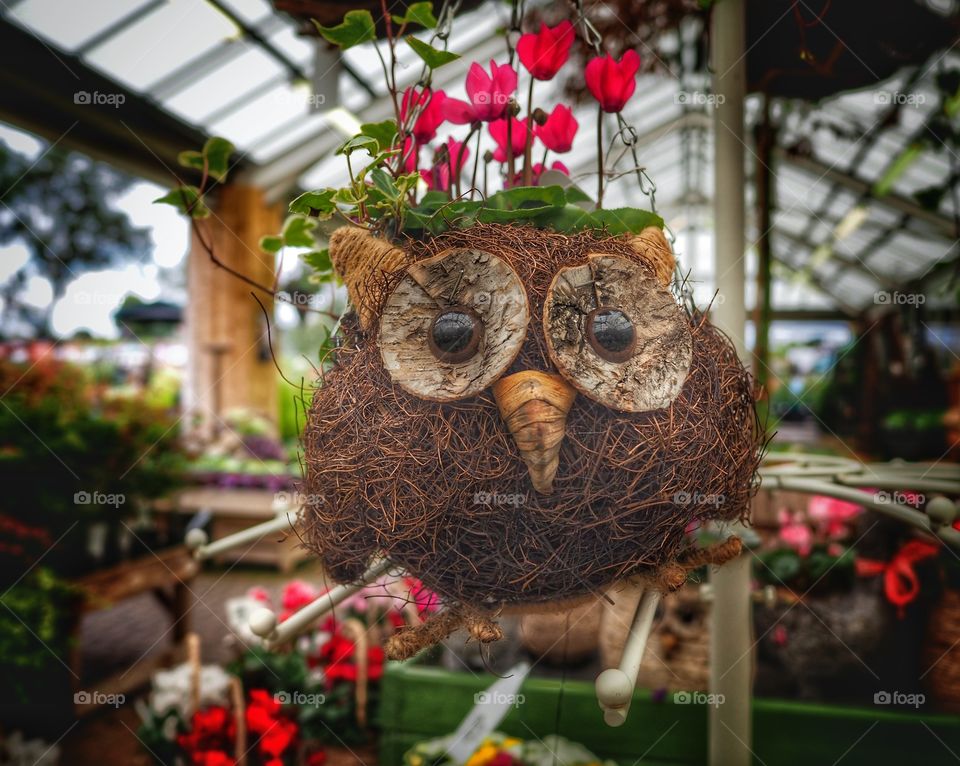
{"x": 93, "y": 296}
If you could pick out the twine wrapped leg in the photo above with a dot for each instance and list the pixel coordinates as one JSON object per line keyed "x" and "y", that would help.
{"x": 409, "y": 641}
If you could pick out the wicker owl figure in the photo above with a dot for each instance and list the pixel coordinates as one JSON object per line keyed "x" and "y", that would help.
{"x": 520, "y": 418}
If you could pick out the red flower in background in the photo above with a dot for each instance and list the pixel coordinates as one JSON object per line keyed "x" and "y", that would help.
{"x": 431, "y": 115}
{"x": 446, "y": 157}
{"x": 613, "y": 82}
{"x": 212, "y": 731}
{"x": 544, "y": 52}
{"x": 337, "y": 657}
{"x": 489, "y": 95}
{"x": 280, "y": 736}
{"x": 558, "y": 132}
{"x": 518, "y": 138}
{"x": 212, "y": 758}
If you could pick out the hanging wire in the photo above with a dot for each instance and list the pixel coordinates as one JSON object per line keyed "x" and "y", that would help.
{"x": 626, "y": 133}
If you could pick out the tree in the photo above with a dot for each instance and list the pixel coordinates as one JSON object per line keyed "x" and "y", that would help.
{"x": 61, "y": 207}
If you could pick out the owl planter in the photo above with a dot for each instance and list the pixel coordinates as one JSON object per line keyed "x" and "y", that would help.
{"x": 521, "y": 418}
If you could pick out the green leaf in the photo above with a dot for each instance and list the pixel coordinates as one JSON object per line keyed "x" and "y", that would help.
{"x": 187, "y": 200}
{"x": 318, "y": 260}
{"x": 357, "y": 27}
{"x": 358, "y": 142}
{"x": 382, "y": 181}
{"x": 384, "y": 133}
{"x": 432, "y": 57}
{"x": 625, "y": 219}
{"x": 217, "y": 152}
{"x": 575, "y": 195}
{"x": 298, "y": 231}
{"x": 320, "y": 200}
{"x": 191, "y": 159}
{"x": 418, "y": 13}
{"x": 271, "y": 243}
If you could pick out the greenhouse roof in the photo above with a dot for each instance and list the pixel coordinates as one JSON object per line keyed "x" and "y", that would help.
{"x": 845, "y": 220}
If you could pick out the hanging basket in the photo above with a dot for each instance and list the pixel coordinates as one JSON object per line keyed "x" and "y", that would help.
{"x": 941, "y": 652}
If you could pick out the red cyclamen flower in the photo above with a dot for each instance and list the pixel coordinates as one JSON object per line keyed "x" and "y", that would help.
{"x": 489, "y": 95}
{"x": 518, "y": 138}
{"x": 544, "y": 52}
{"x": 613, "y": 82}
{"x": 558, "y": 131}
{"x": 430, "y": 104}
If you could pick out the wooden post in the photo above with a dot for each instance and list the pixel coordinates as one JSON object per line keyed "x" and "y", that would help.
{"x": 229, "y": 358}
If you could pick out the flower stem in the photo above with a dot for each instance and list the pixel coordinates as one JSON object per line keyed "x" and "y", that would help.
{"x": 527, "y": 164}
{"x": 476, "y": 161}
{"x": 599, "y": 157}
{"x": 511, "y": 167}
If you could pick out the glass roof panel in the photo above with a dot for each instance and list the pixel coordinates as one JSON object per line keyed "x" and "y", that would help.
{"x": 249, "y": 11}
{"x": 71, "y": 30}
{"x": 161, "y": 41}
{"x": 261, "y": 116}
{"x": 207, "y": 95}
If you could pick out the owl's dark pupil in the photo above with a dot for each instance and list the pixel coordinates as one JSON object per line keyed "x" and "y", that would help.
{"x": 455, "y": 335}
{"x": 611, "y": 333}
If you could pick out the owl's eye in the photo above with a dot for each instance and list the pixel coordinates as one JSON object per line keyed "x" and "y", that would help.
{"x": 453, "y": 324}
{"x": 455, "y": 334}
{"x": 611, "y": 334}
{"x": 616, "y": 334}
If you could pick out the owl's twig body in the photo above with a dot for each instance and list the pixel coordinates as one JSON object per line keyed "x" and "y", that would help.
{"x": 447, "y": 485}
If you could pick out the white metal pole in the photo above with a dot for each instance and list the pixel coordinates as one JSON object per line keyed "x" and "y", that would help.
{"x": 615, "y": 685}
{"x": 730, "y": 726}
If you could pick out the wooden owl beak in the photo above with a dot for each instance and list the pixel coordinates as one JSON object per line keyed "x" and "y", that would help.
{"x": 534, "y": 406}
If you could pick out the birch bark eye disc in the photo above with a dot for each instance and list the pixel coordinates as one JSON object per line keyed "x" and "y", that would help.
{"x": 616, "y": 334}
{"x": 453, "y": 324}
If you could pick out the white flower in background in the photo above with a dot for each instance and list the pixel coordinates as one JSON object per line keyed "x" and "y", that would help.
{"x": 17, "y": 751}
{"x": 238, "y": 618}
{"x": 171, "y": 689}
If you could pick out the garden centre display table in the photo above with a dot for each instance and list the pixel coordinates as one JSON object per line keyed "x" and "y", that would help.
{"x": 167, "y": 575}
{"x": 234, "y": 510}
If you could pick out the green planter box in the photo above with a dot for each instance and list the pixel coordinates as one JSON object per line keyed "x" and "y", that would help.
{"x": 419, "y": 703}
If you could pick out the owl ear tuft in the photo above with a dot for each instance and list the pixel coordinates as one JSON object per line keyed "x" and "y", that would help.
{"x": 652, "y": 246}
{"x": 363, "y": 261}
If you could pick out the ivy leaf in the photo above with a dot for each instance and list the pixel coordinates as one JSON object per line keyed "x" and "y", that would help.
{"x": 318, "y": 260}
{"x": 384, "y": 183}
{"x": 432, "y": 57}
{"x": 298, "y": 231}
{"x": 271, "y": 243}
{"x": 191, "y": 159}
{"x": 384, "y": 133}
{"x": 358, "y": 142}
{"x": 217, "y": 152}
{"x": 357, "y": 27}
{"x": 187, "y": 200}
{"x": 418, "y": 13}
{"x": 320, "y": 200}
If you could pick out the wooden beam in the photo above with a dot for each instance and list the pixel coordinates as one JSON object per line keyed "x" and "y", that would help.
{"x": 230, "y": 362}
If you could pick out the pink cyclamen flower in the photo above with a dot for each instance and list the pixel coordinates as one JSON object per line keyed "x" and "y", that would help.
{"x": 795, "y": 534}
{"x": 431, "y": 112}
{"x": 538, "y": 169}
{"x": 613, "y": 82}
{"x": 543, "y": 53}
{"x": 489, "y": 95}
{"x": 558, "y": 132}
{"x": 297, "y": 594}
{"x": 518, "y": 138}
{"x": 259, "y": 594}
{"x": 444, "y": 159}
